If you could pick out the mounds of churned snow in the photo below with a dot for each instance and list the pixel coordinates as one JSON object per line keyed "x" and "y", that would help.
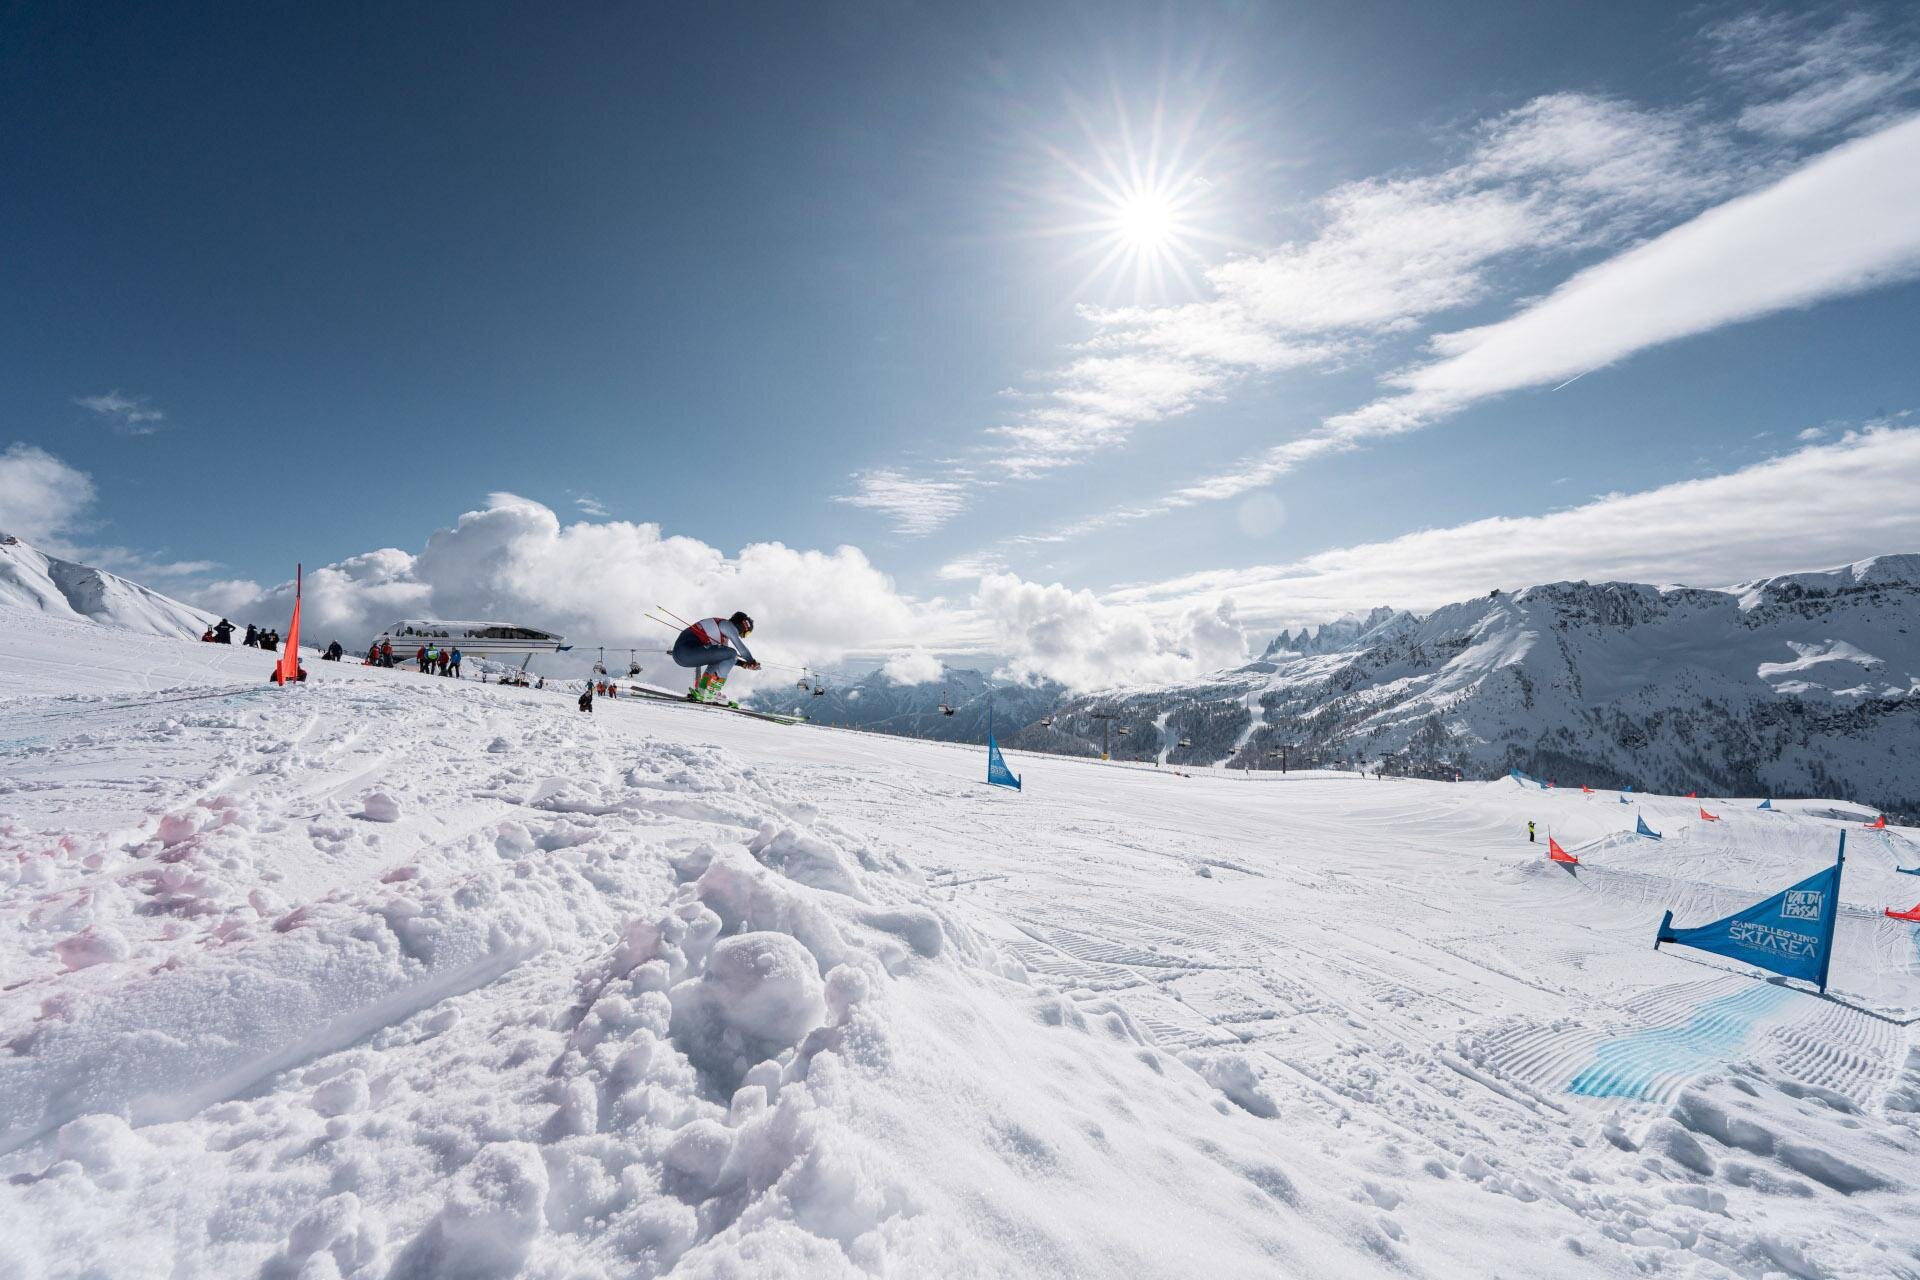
{"x": 665, "y": 991}
{"x": 378, "y": 806}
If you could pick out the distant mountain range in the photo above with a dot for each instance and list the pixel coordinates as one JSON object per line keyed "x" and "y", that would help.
{"x": 874, "y": 702}
{"x": 33, "y": 580}
{"x": 1806, "y": 683}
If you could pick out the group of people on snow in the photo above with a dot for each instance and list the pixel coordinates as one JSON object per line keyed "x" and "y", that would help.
{"x": 221, "y": 632}
{"x": 434, "y": 659}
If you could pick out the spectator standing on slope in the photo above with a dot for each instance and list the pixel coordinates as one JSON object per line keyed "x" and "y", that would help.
{"x": 223, "y": 632}
{"x": 453, "y": 666}
{"x": 1529, "y": 832}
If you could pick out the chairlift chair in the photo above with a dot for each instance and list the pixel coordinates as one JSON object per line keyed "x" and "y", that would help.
{"x": 600, "y": 663}
{"x": 1186, "y": 742}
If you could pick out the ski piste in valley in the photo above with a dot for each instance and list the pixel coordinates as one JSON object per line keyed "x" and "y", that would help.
{"x": 384, "y": 975}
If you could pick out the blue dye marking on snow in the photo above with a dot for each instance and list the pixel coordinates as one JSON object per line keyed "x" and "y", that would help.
{"x": 1630, "y": 1066}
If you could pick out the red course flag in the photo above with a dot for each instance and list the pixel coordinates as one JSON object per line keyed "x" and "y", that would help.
{"x": 1558, "y": 854}
{"x": 1708, "y": 817}
{"x": 287, "y": 670}
{"x": 1693, "y": 795}
{"x": 1913, "y": 915}
{"x": 1585, "y": 789}
{"x": 1878, "y": 824}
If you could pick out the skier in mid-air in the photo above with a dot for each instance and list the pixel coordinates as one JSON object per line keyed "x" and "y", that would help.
{"x": 714, "y": 645}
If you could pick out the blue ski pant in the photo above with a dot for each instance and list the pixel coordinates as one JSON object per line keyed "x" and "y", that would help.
{"x": 719, "y": 658}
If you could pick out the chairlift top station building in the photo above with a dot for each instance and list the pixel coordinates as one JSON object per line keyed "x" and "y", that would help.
{"x": 482, "y": 639}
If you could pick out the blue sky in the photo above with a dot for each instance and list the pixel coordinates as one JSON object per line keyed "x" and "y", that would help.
{"x": 285, "y": 283}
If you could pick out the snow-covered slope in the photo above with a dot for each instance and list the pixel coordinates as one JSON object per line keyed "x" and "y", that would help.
{"x": 392, "y": 976}
{"x": 1805, "y": 684}
{"x": 31, "y": 579}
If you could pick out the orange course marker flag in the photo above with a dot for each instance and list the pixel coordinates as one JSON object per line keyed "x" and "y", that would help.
{"x": 1878, "y": 824}
{"x": 1913, "y": 915}
{"x": 1693, "y": 795}
{"x": 1585, "y": 789}
{"x": 1555, "y": 852}
{"x": 1708, "y": 817}
{"x": 287, "y": 670}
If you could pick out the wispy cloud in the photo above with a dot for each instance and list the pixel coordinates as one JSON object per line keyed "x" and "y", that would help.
{"x": 1840, "y": 224}
{"x": 1564, "y": 172}
{"x": 129, "y": 415}
{"x": 1826, "y": 504}
{"x": 917, "y": 506}
{"x": 590, "y": 505}
{"x": 1805, "y": 78}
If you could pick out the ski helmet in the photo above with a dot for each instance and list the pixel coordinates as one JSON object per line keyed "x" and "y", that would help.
{"x": 742, "y": 623}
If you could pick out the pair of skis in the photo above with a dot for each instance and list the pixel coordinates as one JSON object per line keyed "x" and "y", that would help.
{"x": 667, "y": 695}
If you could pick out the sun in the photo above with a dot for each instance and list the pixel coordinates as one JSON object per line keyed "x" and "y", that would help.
{"x": 1141, "y": 203}
{"x": 1146, "y": 221}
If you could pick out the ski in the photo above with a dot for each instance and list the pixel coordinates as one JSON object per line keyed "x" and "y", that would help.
{"x": 667, "y": 695}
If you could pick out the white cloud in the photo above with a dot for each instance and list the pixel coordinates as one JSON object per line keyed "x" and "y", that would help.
{"x": 1840, "y": 224}
{"x": 129, "y": 415}
{"x": 914, "y": 666}
{"x": 917, "y": 506}
{"x": 514, "y": 560}
{"x": 1825, "y": 505}
{"x": 968, "y": 568}
{"x": 1808, "y": 79}
{"x": 1812, "y": 433}
{"x": 42, "y": 499}
{"x": 1053, "y": 632}
{"x": 590, "y": 505}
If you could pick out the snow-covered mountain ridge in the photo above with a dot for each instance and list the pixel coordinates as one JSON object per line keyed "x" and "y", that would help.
{"x": 33, "y": 580}
{"x": 1794, "y": 684}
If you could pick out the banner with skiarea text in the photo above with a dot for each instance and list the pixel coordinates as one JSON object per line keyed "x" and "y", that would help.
{"x": 997, "y": 772}
{"x": 1790, "y": 933}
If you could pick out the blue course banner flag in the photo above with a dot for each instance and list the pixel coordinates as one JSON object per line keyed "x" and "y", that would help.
{"x": 1790, "y": 933}
{"x": 1640, "y": 828}
{"x": 997, "y": 772}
